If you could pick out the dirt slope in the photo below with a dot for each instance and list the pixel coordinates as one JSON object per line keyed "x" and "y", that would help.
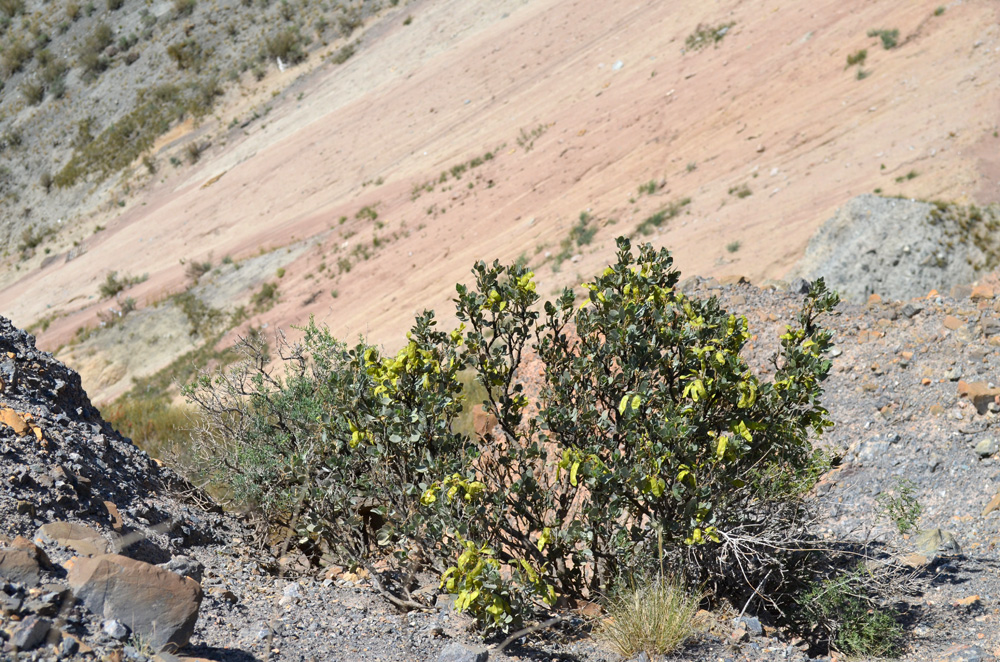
{"x": 615, "y": 102}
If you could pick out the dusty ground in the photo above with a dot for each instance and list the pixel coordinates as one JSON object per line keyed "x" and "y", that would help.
{"x": 619, "y": 103}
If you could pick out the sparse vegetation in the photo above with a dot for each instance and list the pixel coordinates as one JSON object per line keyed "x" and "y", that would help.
{"x": 654, "y": 222}
{"x": 265, "y": 298}
{"x": 890, "y": 38}
{"x": 526, "y": 139}
{"x": 733, "y": 246}
{"x": 907, "y": 177}
{"x": 113, "y": 284}
{"x": 707, "y": 35}
{"x": 654, "y": 616}
{"x": 857, "y": 58}
{"x": 741, "y": 191}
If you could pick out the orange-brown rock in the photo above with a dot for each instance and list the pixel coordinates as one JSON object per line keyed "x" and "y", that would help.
{"x": 982, "y": 292}
{"x": 14, "y": 421}
{"x": 979, "y": 393}
{"x": 951, "y": 322}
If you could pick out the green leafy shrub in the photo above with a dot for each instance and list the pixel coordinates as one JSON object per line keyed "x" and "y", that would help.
{"x": 340, "y": 448}
{"x": 857, "y": 58}
{"x": 846, "y": 615}
{"x": 890, "y": 38}
{"x": 651, "y": 443}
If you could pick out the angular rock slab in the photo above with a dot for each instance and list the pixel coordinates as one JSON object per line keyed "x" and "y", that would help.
{"x": 81, "y": 539}
{"x": 155, "y": 603}
{"x": 17, "y": 566}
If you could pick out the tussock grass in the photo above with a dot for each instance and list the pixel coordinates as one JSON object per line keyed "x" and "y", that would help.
{"x": 656, "y": 617}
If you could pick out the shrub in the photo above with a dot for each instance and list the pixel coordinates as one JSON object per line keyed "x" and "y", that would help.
{"x": 657, "y": 220}
{"x": 850, "y": 618}
{"x": 184, "y": 7}
{"x": 115, "y": 5}
{"x": 651, "y": 443}
{"x": 733, "y": 246}
{"x": 15, "y": 56}
{"x": 187, "y": 54}
{"x": 33, "y": 92}
{"x": 707, "y": 35}
{"x": 113, "y": 285}
{"x": 857, "y": 58}
{"x": 265, "y": 298}
{"x": 287, "y": 45}
{"x": 11, "y": 8}
{"x": 655, "y": 617}
{"x": 890, "y": 38}
{"x": 196, "y": 269}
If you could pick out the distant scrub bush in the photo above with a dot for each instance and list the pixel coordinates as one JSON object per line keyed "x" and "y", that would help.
{"x": 651, "y": 444}
{"x": 287, "y": 45}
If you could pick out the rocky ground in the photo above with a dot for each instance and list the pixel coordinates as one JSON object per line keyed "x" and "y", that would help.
{"x": 911, "y": 393}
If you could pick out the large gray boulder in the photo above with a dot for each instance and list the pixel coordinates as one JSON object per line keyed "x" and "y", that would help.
{"x": 157, "y": 604}
{"x": 900, "y": 249}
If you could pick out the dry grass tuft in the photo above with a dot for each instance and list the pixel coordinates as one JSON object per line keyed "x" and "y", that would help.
{"x": 656, "y": 617}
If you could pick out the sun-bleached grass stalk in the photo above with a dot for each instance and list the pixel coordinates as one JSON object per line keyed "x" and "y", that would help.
{"x": 655, "y": 617}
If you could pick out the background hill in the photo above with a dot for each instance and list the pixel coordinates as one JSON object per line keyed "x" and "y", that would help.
{"x": 360, "y": 189}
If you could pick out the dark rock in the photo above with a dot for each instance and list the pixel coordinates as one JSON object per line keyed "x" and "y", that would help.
{"x": 16, "y": 565}
{"x": 911, "y": 310}
{"x": 29, "y": 633}
{"x": 752, "y": 624}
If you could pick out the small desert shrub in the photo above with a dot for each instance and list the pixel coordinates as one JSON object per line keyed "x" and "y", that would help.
{"x": 112, "y": 284}
{"x": 287, "y": 45}
{"x": 72, "y": 11}
{"x": 11, "y": 8}
{"x": 733, "y": 246}
{"x": 197, "y": 268}
{"x": 741, "y": 191}
{"x": 344, "y": 53}
{"x": 33, "y": 92}
{"x": 184, "y": 7}
{"x": 657, "y": 220}
{"x": 656, "y": 617}
{"x": 890, "y": 38}
{"x": 649, "y": 188}
{"x": 115, "y": 5}
{"x": 265, "y": 298}
{"x": 15, "y": 55}
{"x": 850, "y": 618}
{"x": 939, "y": 10}
{"x": 187, "y": 54}
{"x": 45, "y": 181}
{"x": 857, "y": 58}
{"x": 707, "y": 35}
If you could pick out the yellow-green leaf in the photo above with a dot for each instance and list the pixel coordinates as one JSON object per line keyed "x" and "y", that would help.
{"x": 572, "y": 473}
{"x": 636, "y": 401}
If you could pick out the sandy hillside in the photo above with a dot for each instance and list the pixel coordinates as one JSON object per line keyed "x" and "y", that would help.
{"x": 578, "y": 104}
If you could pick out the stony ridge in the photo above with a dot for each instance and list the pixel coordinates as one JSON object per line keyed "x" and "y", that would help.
{"x": 900, "y": 248}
